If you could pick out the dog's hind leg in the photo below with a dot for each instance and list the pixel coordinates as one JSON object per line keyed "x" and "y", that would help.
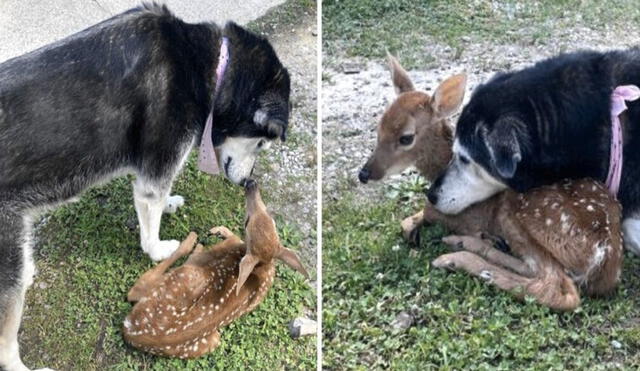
{"x": 631, "y": 229}
{"x": 16, "y": 275}
{"x": 150, "y": 199}
{"x": 151, "y": 278}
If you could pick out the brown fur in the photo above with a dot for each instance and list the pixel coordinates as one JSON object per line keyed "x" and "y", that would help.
{"x": 179, "y": 313}
{"x": 560, "y": 235}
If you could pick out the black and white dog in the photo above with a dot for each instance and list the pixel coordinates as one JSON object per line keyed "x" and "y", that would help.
{"x": 128, "y": 95}
{"x": 542, "y": 124}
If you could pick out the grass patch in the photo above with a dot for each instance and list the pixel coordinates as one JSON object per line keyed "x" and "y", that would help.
{"x": 282, "y": 16}
{"x": 367, "y": 27}
{"x": 459, "y": 322}
{"x": 89, "y": 256}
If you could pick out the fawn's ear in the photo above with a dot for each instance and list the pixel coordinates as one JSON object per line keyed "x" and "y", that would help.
{"x": 401, "y": 81}
{"x": 290, "y": 258}
{"x": 449, "y": 95}
{"x": 247, "y": 264}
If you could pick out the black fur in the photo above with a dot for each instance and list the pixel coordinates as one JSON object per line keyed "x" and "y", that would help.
{"x": 559, "y": 113}
{"x": 121, "y": 94}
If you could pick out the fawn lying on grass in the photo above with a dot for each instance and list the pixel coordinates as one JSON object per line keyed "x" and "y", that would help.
{"x": 561, "y": 235}
{"x": 179, "y": 313}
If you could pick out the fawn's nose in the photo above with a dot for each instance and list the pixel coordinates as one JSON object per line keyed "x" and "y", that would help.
{"x": 364, "y": 175}
{"x": 249, "y": 184}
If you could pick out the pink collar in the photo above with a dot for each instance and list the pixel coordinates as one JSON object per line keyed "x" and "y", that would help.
{"x": 207, "y": 160}
{"x": 618, "y": 97}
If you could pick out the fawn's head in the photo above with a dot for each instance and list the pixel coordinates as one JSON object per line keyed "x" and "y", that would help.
{"x": 414, "y": 128}
{"x": 261, "y": 238}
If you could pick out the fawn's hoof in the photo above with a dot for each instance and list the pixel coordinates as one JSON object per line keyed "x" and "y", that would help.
{"x": 497, "y": 242}
{"x": 410, "y": 231}
{"x": 455, "y": 242}
{"x": 221, "y": 232}
{"x": 445, "y": 261}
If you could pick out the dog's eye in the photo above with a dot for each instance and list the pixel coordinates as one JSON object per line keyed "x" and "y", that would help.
{"x": 464, "y": 159}
{"x": 261, "y": 143}
{"x": 406, "y": 140}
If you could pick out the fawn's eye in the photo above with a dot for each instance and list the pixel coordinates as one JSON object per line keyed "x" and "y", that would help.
{"x": 464, "y": 159}
{"x": 406, "y": 140}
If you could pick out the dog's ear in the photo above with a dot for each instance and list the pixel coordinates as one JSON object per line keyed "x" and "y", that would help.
{"x": 448, "y": 97}
{"x": 401, "y": 81}
{"x": 247, "y": 264}
{"x": 503, "y": 145}
{"x": 272, "y": 115}
{"x": 275, "y": 128}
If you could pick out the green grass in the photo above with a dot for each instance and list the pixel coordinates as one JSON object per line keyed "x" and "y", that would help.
{"x": 367, "y": 27}
{"x": 89, "y": 257}
{"x": 282, "y": 16}
{"x": 460, "y": 322}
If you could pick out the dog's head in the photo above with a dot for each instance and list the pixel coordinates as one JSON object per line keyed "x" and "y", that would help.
{"x": 261, "y": 238}
{"x": 252, "y": 107}
{"x": 487, "y": 153}
{"x": 414, "y": 127}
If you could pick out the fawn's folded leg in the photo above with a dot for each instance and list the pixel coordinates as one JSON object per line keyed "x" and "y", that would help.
{"x": 150, "y": 279}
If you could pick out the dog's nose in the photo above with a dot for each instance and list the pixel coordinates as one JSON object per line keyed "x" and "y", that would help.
{"x": 432, "y": 197}
{"x": 249, "y": 184}
{"x": 364, "y": 175}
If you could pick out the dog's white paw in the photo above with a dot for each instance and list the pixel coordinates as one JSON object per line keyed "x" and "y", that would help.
{"x": 173, "y": 203}
{"x": 162, "y": 249}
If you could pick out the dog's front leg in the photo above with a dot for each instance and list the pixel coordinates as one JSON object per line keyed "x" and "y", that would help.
{"x": 17, "y": 272}
{"x": 150, "y": 201}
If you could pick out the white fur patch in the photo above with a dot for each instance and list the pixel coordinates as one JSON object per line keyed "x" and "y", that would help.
{"x": 240, "y": 154}
{"x": 29, "y": 270}
{"x": 486, "y": 275}
{"x": 465, "y": 184}
{"x": 631, "y": 230}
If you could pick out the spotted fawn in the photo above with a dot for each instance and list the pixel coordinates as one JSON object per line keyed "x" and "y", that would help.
{"x": 179, "y": 313}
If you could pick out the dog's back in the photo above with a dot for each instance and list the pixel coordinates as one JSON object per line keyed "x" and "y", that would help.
{"x": 559, "y": 111}
{"x": 76, "y": 111}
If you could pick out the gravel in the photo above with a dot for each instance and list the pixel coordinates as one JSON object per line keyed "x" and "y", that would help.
{"x": 289, "y": 171}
